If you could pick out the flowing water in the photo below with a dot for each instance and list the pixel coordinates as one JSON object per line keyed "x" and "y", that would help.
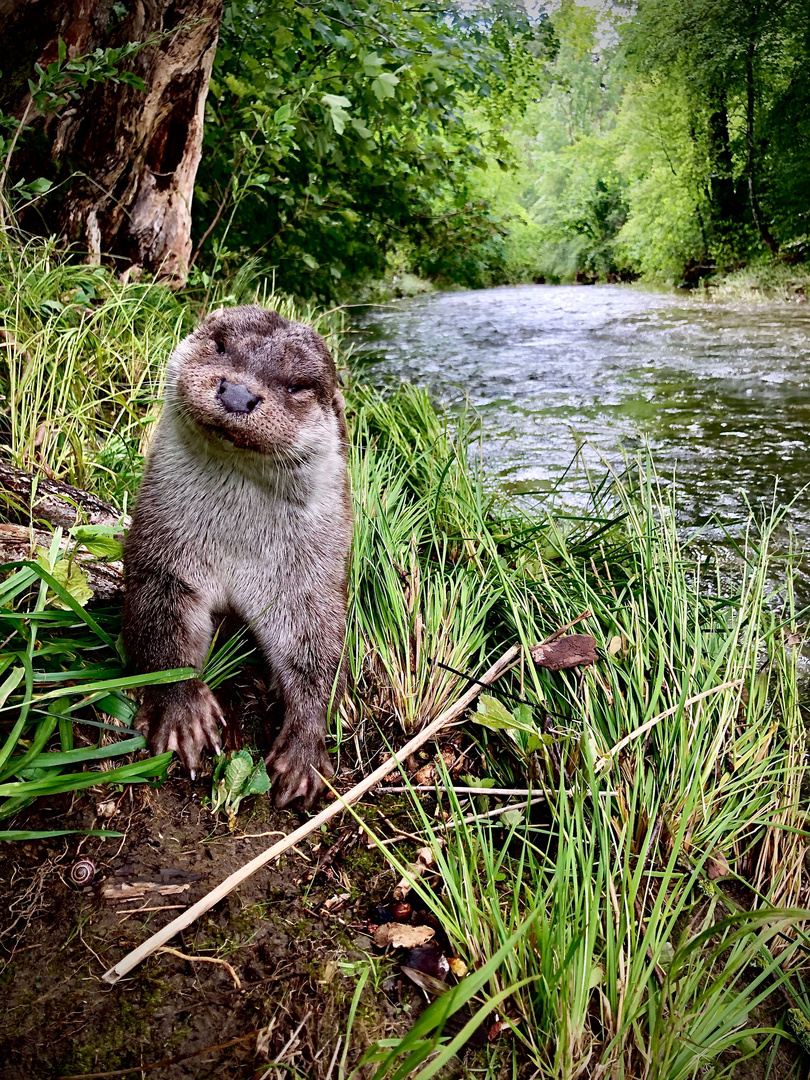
{"x": 720, "y": 393}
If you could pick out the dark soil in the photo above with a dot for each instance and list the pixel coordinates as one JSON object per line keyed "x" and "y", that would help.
{"x": 295, "y": 934}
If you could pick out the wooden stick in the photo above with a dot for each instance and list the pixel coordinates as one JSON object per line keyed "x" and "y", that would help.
{"x": 398, "y": 789}
{"x": 642, "y": 729}
{"x": 230, "y": 883}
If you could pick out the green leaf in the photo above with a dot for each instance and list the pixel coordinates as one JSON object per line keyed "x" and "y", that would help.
{"x": 361, "y": 128}
{"x": 46, "y": 834}
{"x": 383, "y": 86}
{"x": 371, "y": 63}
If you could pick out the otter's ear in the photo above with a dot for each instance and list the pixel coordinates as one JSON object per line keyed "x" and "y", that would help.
{"x": 339, "y": 407}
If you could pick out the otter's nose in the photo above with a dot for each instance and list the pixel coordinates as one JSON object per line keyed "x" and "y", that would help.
{"x": 236, "y": 398}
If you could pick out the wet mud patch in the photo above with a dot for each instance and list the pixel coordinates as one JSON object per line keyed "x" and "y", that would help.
{"x": 295, "y": 936}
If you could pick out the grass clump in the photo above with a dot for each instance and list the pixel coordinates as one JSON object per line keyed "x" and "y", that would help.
{"x": 663, "y": 880}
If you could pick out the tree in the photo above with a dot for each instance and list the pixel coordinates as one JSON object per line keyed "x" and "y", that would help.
{"x": 744, "y": 65}
{"x": 337, "y": 131}
{"x": 113, "y": 127}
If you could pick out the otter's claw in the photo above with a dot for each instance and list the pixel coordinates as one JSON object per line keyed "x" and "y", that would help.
{"x": 182, "y": 717}
{"x": 294, "y": 762}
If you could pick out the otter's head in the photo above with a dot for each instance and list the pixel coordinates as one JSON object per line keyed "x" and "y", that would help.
{"x": 251, "y": 379}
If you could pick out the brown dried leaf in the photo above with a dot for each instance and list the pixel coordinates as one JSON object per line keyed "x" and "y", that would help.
{"x": 717, "y": 866}
{"x": 566, "y": 652}
{"x": 495, "y": 1029}
{"x": 402, "y": 936}
{"x": 425, "y": 775}
{"x": 458, "y": 967}
{"x": 424, "y": 860}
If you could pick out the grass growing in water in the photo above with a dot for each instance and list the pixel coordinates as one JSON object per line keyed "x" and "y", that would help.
{"x": 672, "y": 764}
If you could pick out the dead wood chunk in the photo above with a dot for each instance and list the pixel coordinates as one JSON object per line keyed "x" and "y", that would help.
{"x": 137, "y": 890}
{"x": 566, "y": 652}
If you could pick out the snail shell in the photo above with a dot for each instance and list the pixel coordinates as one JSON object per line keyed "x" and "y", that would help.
{"x": 82, "y": 872}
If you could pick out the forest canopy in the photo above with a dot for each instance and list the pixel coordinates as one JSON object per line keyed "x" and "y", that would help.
{"x": 342, "y": 146}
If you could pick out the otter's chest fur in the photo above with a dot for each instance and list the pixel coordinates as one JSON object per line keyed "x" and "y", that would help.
{"x": 235, "y": 526}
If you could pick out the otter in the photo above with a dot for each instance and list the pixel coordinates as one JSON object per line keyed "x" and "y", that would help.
{"x": 244, "y": 510}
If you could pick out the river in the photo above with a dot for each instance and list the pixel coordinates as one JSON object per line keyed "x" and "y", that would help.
{"x": 720, "y": 392}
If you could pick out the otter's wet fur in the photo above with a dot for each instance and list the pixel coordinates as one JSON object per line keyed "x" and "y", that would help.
{"x": 244, "y": 510}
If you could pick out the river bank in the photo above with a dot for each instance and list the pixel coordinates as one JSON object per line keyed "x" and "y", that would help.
{"x": 642, "y": 894}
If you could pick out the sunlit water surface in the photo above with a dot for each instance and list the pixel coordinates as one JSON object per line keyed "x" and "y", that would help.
{"x": 720, "y": 393}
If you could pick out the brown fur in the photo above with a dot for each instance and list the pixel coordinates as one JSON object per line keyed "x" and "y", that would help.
{"x": 246, "y": 514}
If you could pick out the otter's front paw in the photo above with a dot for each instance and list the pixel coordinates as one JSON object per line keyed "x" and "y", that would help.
{"x": 292, "y": 763}
{"x": 182, "y": 717}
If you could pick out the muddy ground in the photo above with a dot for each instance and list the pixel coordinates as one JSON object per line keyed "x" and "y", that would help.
{"x": 296, "y": 936}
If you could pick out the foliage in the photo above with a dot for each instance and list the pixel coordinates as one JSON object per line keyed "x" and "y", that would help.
{"x": 237, "y": 777}
{"x": 58, "y": 84}
{"x": 335, "y": 132}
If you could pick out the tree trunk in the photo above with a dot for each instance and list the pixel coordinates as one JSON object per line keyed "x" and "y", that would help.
{"x": 726, "y": 207}
{"x": 123, "y": 160}
{"x": 750, "y": 106}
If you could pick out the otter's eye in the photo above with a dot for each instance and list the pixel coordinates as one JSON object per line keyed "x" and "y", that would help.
{"x": 297, "y": 388}
{"x": 220, "y": 346}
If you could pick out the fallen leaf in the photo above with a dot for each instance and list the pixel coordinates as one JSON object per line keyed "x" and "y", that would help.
{"x": 616, "y": 645}
{"x": 717, "y": 866}
{"x": 425, "y": 775}
{"x": 458, "y": 967}
{"x": 401, "y": 936}
{"x": 494, "y": 1030}
{"x": 566, "y": 652}
{"x": 424, "y": 860}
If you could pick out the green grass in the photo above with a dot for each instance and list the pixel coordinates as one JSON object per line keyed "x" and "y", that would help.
{"x": 598, "y": 921}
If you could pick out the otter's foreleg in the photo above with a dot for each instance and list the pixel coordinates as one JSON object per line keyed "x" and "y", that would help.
{"x": 304, "y": 650}
{"x": 167, "y": 625}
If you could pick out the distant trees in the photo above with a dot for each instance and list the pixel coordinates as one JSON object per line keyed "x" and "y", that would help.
{"x": 742, "y": 70}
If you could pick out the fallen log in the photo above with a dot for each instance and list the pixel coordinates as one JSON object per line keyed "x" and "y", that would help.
{"x": 55, "y": 504}
{"x": 106, "y": 579}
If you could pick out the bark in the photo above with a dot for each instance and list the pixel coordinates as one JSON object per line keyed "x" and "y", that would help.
{"x": 124, "y": 160}
{"x": 106, "y": 579}
{"x": 56, "y": 504}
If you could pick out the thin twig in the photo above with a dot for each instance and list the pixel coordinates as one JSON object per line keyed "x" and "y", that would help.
{"x": 137, "y": 910}
{"x": 470, "y": 818}
{"x": 292, "y": 1039}
{"x": 605, "y": 760}
{"x": 114, "y": 1073}
{"x": 204, "y": 960}
{"x": 132, "y": 959}
{"x": 568, "y": 626}
{"x": 399, "y": 788}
